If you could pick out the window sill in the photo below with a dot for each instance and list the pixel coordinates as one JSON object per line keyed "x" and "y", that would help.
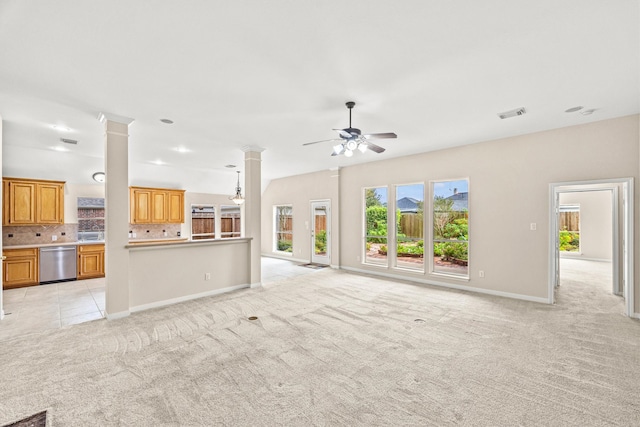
{"x": 283, "y": 253}
{"x": 450, "y": 276}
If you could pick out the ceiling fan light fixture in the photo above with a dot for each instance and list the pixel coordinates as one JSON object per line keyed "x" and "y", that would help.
{"x": 352, "y": 144}
{"x": 337, "y": 149}
{"x": 348, "y": 153}
{"x": 362, "y": 147}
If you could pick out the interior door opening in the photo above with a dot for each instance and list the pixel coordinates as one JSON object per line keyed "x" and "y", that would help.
{"x": 602, "y": 261}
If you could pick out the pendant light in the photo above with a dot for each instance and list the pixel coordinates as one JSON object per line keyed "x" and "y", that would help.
{"x": 237, "y": 198}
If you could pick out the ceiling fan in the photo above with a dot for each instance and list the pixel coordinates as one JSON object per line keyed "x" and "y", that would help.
{"x": 352, "y": 139}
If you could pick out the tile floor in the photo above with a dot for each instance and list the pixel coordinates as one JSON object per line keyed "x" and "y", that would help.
{"x": 37, "y": 308}
{"x": 56, "y": 305}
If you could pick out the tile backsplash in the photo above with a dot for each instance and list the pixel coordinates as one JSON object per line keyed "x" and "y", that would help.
{"x": 68, "y": 233}
{"x": 155, "y": 231}
{"x": 39, "y": 234}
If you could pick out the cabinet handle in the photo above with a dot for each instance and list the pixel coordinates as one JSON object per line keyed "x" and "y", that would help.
{"x": 3, "y": 257}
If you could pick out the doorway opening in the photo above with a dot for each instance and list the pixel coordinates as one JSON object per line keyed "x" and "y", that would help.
{"x": 321, "y": 232}
{"x": 605, "y": 235}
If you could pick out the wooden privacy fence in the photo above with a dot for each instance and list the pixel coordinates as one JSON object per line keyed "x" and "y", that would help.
{"x": 570, "y": 221}
{"x": 412, "y": 225}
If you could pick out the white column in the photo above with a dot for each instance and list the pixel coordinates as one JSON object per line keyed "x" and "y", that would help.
{"x": 252, "y": 207}
{"x": 116, "y": 161}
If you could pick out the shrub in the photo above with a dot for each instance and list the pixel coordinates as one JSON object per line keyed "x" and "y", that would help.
{"x": 569, "y": 240}
{"x": 321, "y": 241}
{"x": 285, "y": 246}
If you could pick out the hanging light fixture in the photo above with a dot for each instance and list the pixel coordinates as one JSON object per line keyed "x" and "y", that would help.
{"x": 237, "y": 198}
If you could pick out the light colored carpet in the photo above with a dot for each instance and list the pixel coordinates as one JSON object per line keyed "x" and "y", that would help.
{"x": 333, "y": 348}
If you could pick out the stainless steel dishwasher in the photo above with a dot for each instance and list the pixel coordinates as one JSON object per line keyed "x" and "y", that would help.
{"x": 57, "y": 263}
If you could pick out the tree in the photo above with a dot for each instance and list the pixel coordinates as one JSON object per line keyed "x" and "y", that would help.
{"x": 442, "y": 210}
{"x": 371, "y": 197}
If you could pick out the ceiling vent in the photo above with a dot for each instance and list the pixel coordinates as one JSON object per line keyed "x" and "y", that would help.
{"x": 517, "y": 112}
{"x": 69, "y": 141}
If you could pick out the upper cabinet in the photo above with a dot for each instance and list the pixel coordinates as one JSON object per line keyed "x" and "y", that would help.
{"x": 156, "y": 205}
{"x": 32, "y": 202}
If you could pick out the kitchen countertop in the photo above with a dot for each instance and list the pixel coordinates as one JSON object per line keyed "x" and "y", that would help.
{"x": 45, "y": 245}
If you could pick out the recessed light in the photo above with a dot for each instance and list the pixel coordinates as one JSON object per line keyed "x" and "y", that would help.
{"x": 182, "y": 149}
{"x": 587, "y": 112}
{"x": 58, "y": 148}
{"x": 167, "y": 121}
{"x": 69, "y": 141}
{"x": 574, "y": 109}
{"x": 158, "y": 162}
{"x": 230, "y": 166}
{"x": 61, "y": 128}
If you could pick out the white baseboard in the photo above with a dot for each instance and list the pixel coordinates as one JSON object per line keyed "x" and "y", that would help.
{"x": 451, "y": 285}
{"x": 635, "y": 315}
{"x": 284, "y": 257}
{"x": 187, "y": 298}
{"x": 256, "y": 285}
{"x": 119, "y": 315}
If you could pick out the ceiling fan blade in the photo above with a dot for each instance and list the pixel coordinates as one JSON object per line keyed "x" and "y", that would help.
{"x": 386, "y": 135}
{"x": 324, "y": 140}
{"x": 374, "y": 147}
{"x": 343, "y": 133}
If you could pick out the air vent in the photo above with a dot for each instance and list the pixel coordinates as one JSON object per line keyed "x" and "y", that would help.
{"x": 69, "y": 141}
{"x": 513, "y": 113}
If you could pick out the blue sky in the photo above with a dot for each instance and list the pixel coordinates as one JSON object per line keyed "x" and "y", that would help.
{"x": 416, "y": 191}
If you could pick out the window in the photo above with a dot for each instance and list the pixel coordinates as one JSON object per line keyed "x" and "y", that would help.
{"x": 230, "y": 221}
{"x": 283, "y": 218}
{"x": 569, "y": 228}
{"x": 90, "y": 218}
{"x": 451, "y": 227}
{"x": 375, "y": 213}
{"x": 203, "y": 222}
{"x": 409, "y": 222}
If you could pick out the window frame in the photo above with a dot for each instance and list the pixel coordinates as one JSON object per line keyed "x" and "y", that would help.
{"x": 431, "y": 233}
{"x": 365, "y": 238}
{"x": 203, "y": 236}
{"x": 223, "y": 235}
{"x": 395, "y": 265}
{"x": 277, "y": 231}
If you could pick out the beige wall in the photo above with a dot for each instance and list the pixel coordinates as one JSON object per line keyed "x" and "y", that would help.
{"x": 71, "y": 194}
{"x": 509, "y": 189}
{"x": 596, "y": 223}
{"x": 165, "y": 274}
{"x": 299, "y": 191}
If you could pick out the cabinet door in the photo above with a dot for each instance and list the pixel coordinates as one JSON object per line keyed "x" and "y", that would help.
{"x": 140, "y": 206}
{"x": 159, "y": 210}
{"x": 20, "y": 268}
{"x": 50, "y": 204}
{"x": 20, "y": 203}
{"x": 176, "y": 207}
{"x": 90, "y": 261}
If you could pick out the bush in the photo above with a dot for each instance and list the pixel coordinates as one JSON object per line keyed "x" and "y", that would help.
{"x": 321, "y": 241}
{"x": 285, "y": 246}
{"x": 569, "y": 240}
{"x": 451, "y": 250}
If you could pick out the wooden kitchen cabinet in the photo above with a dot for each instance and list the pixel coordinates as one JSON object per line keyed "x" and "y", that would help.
{"x": 156, "y": 205}
{"x": 32, "y": 202}
{"x": 90, "y": 261}
{"x": 20, "y": 268}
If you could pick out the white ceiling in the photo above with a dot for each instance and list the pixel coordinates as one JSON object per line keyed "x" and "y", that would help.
{"x": 276, "y": 74}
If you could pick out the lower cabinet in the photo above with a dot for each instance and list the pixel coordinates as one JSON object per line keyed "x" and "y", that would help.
{"x": 20, "y": 268}
{"x": 90, "y": 261}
